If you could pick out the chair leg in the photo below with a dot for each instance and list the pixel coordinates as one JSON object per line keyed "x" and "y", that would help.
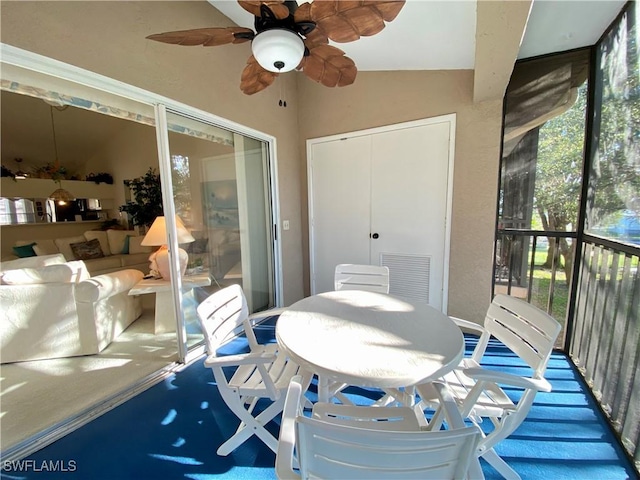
{"x": 250, "y": 425}
{"x": 385, "y": 401}
{"x": 343, "y": 399}
{"x": 405, "y": 397}
{"x": 500, "y": 465}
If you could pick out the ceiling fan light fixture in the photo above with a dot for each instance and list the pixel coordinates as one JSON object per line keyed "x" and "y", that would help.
{"x": 278, "y": 50}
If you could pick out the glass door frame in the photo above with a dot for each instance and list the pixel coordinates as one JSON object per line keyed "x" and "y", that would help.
{"x": 18, "y": 57}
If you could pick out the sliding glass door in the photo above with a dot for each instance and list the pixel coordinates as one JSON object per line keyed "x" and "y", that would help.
{"x": 218, "y": 180}
{"x": 216, "y": 183}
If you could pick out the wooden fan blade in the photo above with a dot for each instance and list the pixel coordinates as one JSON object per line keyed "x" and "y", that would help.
{"x": 317, "y": 35}
{"x": 329, "y": 66}
{"x": 303, "y": 13}
{"x": 279, "y": 9}
{"x": 208, "y": 37}
{"x": 255, "y": 78}
{"x": 388, "y": 9}
{"x": 346, "y": 21}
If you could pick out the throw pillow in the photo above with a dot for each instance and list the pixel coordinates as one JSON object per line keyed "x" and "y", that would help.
{"x": 104, "y": 241}
{"x": 24, "y": 251}
{"x": 87, "y": 250}
{"x": 125, "y": 247}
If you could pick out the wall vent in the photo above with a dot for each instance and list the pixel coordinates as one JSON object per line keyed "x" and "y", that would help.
{"x": 408, "y": 275}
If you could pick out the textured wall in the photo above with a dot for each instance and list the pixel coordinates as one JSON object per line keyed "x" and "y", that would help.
{"x": 384, "y": 98}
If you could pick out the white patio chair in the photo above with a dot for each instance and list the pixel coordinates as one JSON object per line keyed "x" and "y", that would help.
{"x": 342, "y": 441}
{"x": 373, "y": 278}
{"x": 350, "y": 276}
{"x": 264, "y": 372}
{"x": 528, "y": 332}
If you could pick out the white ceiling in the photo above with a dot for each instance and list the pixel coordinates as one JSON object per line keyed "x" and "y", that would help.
{"x": 441, "y": 34}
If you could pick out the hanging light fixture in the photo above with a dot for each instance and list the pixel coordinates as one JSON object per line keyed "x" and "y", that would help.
{"x": 20, "y": 174}
{"x": 60, "y": 195}
{"x": 278, "y": 50}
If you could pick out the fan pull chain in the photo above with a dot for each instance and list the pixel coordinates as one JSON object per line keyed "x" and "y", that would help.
{"x": 283, "y": 100}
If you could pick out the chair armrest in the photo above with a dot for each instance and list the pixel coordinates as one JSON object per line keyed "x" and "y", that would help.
{"x": 285, "y": 459}
{"x": 484, "y": 374}
{"x": 266, "y": 314}
{"x": 104, "y": 286}
{"x": 240, "y": 359}
{"x": 467, "y": 325}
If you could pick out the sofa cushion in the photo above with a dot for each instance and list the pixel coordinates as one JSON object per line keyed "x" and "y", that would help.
{"x": 24, "y": 251}
{"x": 112, "y": 262}
{"x": 117, "y": 239}
{"x": 32, "y": 262}
{"x": 87, "y": 250}
{"x": 135, "y": 247}
{"x": 70, "y": 272}
{"x": 64, "y": 245}
{"x": 102, "y": 238}
{"x": 45, "y": 247}
{"x": 134, "y": 259}
{"x": 103, "y": 286}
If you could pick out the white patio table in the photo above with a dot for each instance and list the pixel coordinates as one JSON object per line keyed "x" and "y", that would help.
{"x": 369, "y": 339}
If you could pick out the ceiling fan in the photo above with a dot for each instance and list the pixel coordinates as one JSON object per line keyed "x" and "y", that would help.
{"x": 289, "y": 36}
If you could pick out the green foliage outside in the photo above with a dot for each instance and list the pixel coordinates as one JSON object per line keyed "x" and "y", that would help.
{"x": 181, "y": 180}
{"x": 559, "y": 175}
{"x": 615, "y": 176}
{"x": 147, "y": 199}
{"x": 559, "y": 167}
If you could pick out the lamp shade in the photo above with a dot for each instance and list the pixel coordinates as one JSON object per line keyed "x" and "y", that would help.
{"x": 157, "y": 234}
{"x": 62, "y": 196}
{"x": 278, "y": 50}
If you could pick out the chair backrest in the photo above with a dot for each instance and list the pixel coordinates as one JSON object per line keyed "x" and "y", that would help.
{"x": 327, "y": 450}
{"x": 334, "y": 450}
{"x": 525, "y": 329}
{"x": 222, "y": 316}
{"x": 374, "y": 278}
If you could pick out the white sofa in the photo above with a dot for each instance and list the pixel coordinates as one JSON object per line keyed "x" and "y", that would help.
{"x": 120, "y": 249}
{"x": 52, "y": 308}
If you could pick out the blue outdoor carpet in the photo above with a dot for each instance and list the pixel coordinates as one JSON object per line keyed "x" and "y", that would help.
{"x": 172, "y": 431}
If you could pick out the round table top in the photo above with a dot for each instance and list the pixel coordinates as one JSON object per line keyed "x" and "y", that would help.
{"x": 370, "y": 339}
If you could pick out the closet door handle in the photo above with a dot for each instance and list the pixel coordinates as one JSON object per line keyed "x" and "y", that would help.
{"x": 375, "y": 236}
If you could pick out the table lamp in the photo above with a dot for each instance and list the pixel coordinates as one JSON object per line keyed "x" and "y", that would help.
{"x": 157, "y": 236}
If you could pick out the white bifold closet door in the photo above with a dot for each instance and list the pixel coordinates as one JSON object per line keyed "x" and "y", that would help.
{"x": 382, "y": 197}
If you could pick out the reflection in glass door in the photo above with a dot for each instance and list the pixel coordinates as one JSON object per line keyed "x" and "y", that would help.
{"x": 221, "y": 193}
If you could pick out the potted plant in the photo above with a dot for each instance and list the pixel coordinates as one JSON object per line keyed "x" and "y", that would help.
{"x": 147, "y": 199}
